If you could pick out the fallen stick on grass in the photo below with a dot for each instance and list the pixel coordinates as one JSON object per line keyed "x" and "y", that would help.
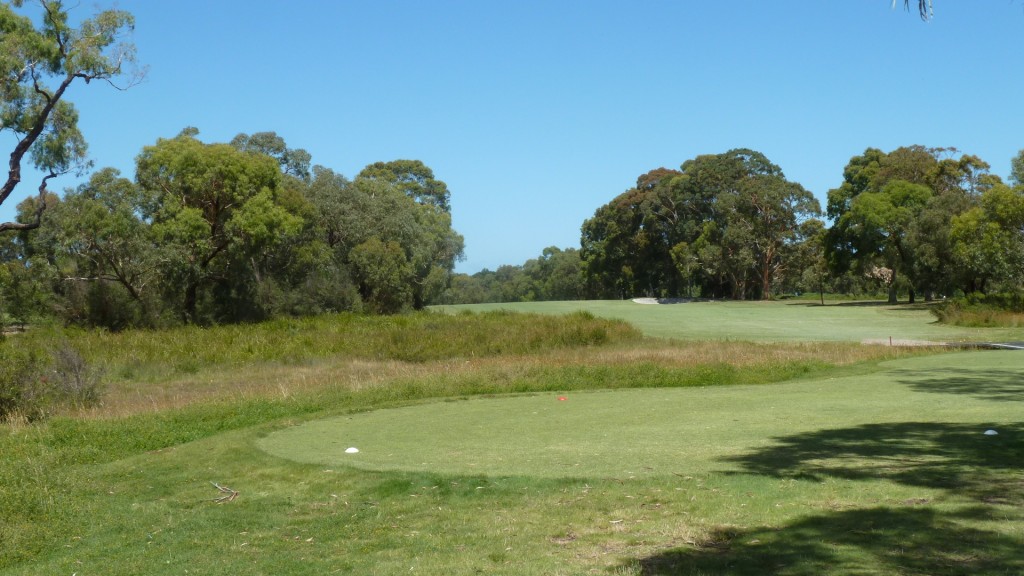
{"x": 229, "y": 494}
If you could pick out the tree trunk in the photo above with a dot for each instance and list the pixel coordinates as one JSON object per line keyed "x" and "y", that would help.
{"x": 191, "y": 295}
{"x": 766, "y": 284}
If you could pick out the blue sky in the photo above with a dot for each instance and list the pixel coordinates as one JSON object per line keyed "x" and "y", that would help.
{"x": 536, "y": 113}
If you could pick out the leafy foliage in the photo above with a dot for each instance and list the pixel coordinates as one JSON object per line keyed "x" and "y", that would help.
{"x": 555, "y": 275}
{"x": 722, "y": 225}
{"x": 214, "y": 233}
{"x": 37, "y": 66}
{"x": 912, "y": 211}
{"x": 34, "y": 381}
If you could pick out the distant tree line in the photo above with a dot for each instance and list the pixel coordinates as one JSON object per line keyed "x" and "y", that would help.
{"x": 916, "y": 221}
{"x": 230, "y": 232}
{"x": 556, "y": 275}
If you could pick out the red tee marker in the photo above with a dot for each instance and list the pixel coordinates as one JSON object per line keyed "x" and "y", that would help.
{"x": 560, "y": 398}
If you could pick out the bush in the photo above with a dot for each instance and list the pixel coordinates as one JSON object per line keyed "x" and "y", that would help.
{"x": 32, "y": 383}
{"x": 983, "y": 310}
{"x": 20, "y": 370}
{"x": 72, "y": 380}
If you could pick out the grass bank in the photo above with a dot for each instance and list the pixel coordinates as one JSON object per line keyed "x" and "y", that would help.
{"x": 774, "y": 321}
{"x": 875, "y": 441}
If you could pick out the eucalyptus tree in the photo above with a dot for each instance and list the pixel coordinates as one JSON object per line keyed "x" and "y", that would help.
{"x": 755, "y": 215}
{"x": 294, "y": 162}
{"x": 389, "y": 206}
{"x": 29, "y": 276}
{"x": 37, "y": 66}
{"x": 557, "y": 274}
{"x": 763, "y": 215}
{"x": 109, "y": 252}
{"x": 958, "y": 185}
{"x": 988, "y": 240}
{"x": 616, "y": 248}
{"x": 881, "y": 221}
{"x": 432, "y": 245}
{"x": 895, "y": 209}
{"x": 384, "y": 274}
{"x": 414, "y": 178}
{"x": 720, "y": 225}
{"x": 214, "y": 208}
{"x": 1017, "y": 169}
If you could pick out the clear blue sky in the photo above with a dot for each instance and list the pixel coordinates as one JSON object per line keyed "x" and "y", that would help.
{"x": 538, "y": 112}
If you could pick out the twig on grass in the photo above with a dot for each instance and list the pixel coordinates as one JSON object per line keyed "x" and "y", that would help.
{"x": 228, "y": 496}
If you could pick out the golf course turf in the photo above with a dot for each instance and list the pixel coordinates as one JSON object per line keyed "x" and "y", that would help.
{"x": 618, "y": 455}
{"x": 674, "y": 431}
{"x": 778, "y": 321}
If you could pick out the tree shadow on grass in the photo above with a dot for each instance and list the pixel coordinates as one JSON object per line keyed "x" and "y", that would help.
{"x": 912, "y": 540}
{"x": 952, "y": 456}
{"x": 985, "y": 471}
{"x": 897, "y": 307}
{"x": 1001, "y": 385}
{"x": 850, "y": 304}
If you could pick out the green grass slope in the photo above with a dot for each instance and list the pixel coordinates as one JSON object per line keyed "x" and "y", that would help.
{"x": 710, "y": 465}
{"x": 881, "y": 472}
{"x": 778, "y": 321}
{"x": 659, "y": 432}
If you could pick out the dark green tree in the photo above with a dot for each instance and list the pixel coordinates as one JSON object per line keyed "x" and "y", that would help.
{"x": 1017, "y": 169}
{"x": 383, "y": 204}
{"x": 719, "y": 226}
{"x": 557, "y": 274}
{"x": 414, "y": 178}
{"x": 894, "y": 211}
{"x": 110, "y": 252}
{"x": 620, "y": 258}
{"x": 383, "y": 274}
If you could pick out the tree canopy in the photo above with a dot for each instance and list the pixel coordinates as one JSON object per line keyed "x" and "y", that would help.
{"x": 227, "y": 232}
{"x": 251, "y": 228}
{"x": 38, "y": 63}
{"x": 723, "y": 225}
{"x": 894, "y": 211}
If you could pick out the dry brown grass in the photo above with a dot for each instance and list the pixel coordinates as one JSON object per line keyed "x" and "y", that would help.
{"x": 683, "y": 354}
{"x": 277, "y": 381}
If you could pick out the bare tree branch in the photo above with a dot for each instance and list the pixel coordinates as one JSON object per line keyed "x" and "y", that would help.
{"x": 40, "y": 208}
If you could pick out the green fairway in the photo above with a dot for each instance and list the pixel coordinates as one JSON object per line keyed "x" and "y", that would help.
{"x": 663, "y": 458}
{"x": 780, "y": 321}
{"x": 640, "y": 433}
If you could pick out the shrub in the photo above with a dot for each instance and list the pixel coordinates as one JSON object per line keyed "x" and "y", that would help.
{"x": 983, "y": 310}
{"x": 72, "y": 380}
{"x": 33, "y": 382}
{"x": 19, "y": 372}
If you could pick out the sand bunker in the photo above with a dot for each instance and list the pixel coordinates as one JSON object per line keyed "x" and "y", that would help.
{"x": 662, "y": 300}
